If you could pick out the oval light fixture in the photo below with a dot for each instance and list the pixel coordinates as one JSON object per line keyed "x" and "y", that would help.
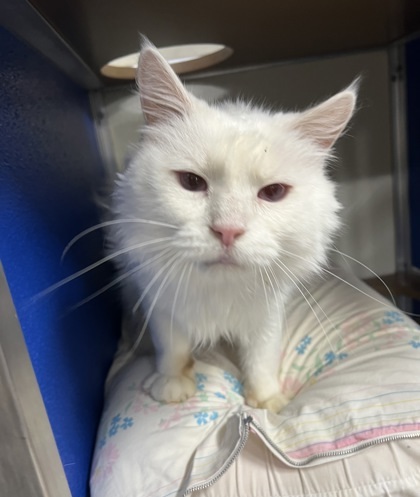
{"x": 182, "y": 58}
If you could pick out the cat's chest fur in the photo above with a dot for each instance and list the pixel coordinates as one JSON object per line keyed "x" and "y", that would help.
{"x": 211, "y": 306}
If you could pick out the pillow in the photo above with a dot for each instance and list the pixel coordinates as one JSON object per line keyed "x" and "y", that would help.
{"x": 351, "y": 362}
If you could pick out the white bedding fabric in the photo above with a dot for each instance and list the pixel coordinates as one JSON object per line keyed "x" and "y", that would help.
{"x": 351, "y": 429}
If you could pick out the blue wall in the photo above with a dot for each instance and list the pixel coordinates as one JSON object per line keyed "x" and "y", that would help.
{"x": 49, "y": 169}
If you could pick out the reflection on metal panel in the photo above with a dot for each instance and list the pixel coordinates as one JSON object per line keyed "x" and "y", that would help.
{"x": 29, "y": 460}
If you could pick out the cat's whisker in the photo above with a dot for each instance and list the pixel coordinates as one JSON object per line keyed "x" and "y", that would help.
{"x": 111, "y": 223}
{"x": 255, "y": 279}
{"x": 178, "y": 287}
{"x": 357, "y": 289}
{"x": 345, "y": 261}
{"x": 334, "y": 327}
{"x": 105, "y": 259}
{"x": 120, "y": 278}
{"x": 264, "y": 288}
{"x": 382, "y": 303}
{"x": 286, "y": 324}
{"x": 245, "y": 289}
{"x": 187, "y": 282}
{"x": 152, "y": 282}
{"x": 153, "y": 304}
{"x": 282, "y": 316}
{"x": 286, "y": 271}
{"x": 271, "y": 286}
{"x": 344, "y": 255}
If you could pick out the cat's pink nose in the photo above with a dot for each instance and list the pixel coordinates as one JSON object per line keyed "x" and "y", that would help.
{"x": 227, "y": 234}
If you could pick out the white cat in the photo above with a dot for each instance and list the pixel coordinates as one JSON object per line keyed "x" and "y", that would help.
{"x": 222, "y": 209}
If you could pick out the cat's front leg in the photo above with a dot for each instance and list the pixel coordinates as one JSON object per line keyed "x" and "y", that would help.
{"x": 173, "y": 380}
{"x": 260, "y": 362}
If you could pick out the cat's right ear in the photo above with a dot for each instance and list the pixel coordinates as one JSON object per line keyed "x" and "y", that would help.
{"x": 162, "y": 94}
{"x": 325, "y": 123}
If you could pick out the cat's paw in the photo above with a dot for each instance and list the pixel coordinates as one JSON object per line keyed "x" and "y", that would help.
{"x": 274, "y": 403}
{"x": 170, "y": 388}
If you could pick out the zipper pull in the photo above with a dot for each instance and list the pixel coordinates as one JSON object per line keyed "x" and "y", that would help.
{"x": 247, "y": 419}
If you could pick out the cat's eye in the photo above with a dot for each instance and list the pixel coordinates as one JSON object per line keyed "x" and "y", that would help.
{"x": 273, "y": 193}
{"x": 191, "y": 181}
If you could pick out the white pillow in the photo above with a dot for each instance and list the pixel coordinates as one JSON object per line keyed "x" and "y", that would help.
{"x": 354, "y": 374}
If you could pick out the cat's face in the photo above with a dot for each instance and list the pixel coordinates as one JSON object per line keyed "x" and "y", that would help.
{"x": 241, "y": 187}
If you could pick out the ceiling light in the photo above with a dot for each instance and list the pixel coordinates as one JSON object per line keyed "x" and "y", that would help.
{"x": 182, "y": 58}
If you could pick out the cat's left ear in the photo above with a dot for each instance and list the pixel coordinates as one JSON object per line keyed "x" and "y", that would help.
{"x": 162, "y": 94}
{"x": 325, "y": 123}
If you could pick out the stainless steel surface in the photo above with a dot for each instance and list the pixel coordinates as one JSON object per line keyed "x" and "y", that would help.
{"x": 89, "y": 34}
{"x": 260, "y": 31}
{"x": 400, "y": 160}
{"x": 30, "y": 465}
{"x": 22, "y": 19}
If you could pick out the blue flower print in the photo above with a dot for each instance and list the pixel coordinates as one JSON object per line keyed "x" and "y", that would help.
{"x": 392, "y": 317}
{"x": 329, "y": 359}
{"x": 101, "y": 443}
{"x": 116, "y": 419}
{"x": 201, "y": 417}
{"x": 415, "y": 344}
{"x": 235, "y": 384}
{"x": 220, "y": 395}
{"x": 214, "y": 415}
{"x": 117, "y": 424}
{"x": 127, "y": 423}
{"x": 113, "y": 430}
{"x": 303, "y": 345}
{"x": 200, "y": 378}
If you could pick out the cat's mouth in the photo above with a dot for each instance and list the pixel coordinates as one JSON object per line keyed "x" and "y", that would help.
{"x": 223, "y": 260}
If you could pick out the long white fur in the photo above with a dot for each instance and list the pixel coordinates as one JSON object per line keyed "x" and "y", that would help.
{"x": 237, "y": 149}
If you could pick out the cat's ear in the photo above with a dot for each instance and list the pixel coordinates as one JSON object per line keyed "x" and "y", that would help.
{"x": 325, "y": 123}
{"x": 162, "y": 94}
